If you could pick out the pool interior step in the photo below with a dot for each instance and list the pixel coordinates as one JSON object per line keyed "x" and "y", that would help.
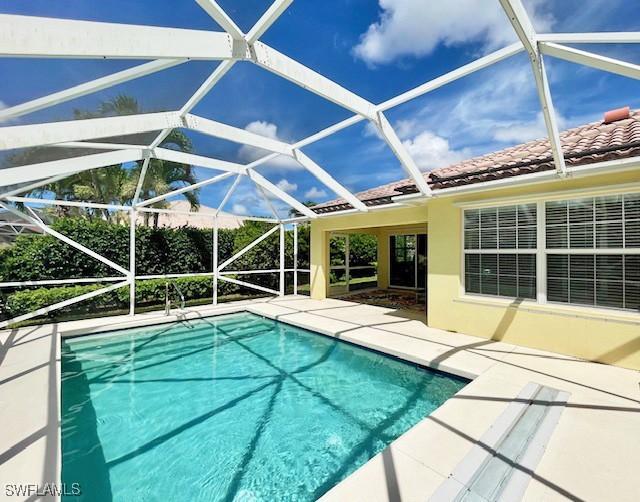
{"x": 499, "y": 466}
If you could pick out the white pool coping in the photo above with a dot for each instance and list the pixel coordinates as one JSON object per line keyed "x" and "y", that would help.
{"x": 592, "y": 454}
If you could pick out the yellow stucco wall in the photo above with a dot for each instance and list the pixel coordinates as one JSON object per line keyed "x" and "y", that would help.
{"x": 607, "y": 336}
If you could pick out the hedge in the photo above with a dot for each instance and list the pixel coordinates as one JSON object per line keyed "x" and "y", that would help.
{"x": 148, "y": 292}
{"x": 158, "y": 251}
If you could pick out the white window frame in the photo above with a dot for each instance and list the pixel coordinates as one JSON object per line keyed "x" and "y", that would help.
{"x": 529, "y": 251}
{"x": 594, "y": 251}
{"x": 541, "y": 250}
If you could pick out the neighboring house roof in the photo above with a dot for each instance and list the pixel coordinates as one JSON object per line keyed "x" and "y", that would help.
{"x": 201, "y": 219}
{"x": 586, "y": 144}
{"x": 11, "y": 225}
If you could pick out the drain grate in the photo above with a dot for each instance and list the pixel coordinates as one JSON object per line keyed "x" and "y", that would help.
{"x": 499, "y": 466}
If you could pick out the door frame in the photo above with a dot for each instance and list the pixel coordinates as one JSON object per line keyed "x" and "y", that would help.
{"x": 415, "y": 261}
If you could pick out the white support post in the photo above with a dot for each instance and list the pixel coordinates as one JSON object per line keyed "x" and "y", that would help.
{"x": 526, "y": 33}
{"x": 198, "y": 160}
{"x": 132, "y": 261}
{"x": 189, "y": 188}
{"x": 262, "y": 25}
{"x": 140, "y": 184}
{"x": 60, "y": 169}
{"x": 281, "y": 194}
{"x": 267, "y": 19}
{"x": 325, "y": 178}
{"x": 32, "y": 186}
{"x": 67, "y": 203}
{"x": 391, "y": 138}
{"x": 597, "y": 61}
{"x": 229, "y": 193}
{"x": 236, "y": 135}
{"x": 270, "y": 59}
{"x": 295, "y": 258}
{"x": 24, "y": 136}
{"x": 215, "y": 260}
{"x": 44, "y": 37}
{"x": 282, "y": 247}
{"x": 60, "y": 282}
{"x": 453, "y": 75}
{"x": 160, "y": 138}
{"x": 347, "y": 254}
{"x": 607, "y": 37}
{"x": 248, "y": 285}
{"x": 96, "y": 145}
{"x": 220, "y": 71}
{"x": 267, "y": 201}
{"x": 212, "y": 8}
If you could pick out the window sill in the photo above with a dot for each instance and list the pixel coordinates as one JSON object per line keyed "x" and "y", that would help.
{"x": 594, "y": 313}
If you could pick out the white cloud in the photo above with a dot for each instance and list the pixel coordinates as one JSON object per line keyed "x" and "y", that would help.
{"x": 315, "y": 193}
{"x": 286, "y": 186}
{"x": 497, "y": 108}
{"x": 239, "y": 209}
{"x": 371, "y": 131}
{"x": 431, "y": 151}
{"x": 417, "y": 27}
{"x": 248, "y": 153}
{"x": 249, "y": 200}
{"x": 523, "y": 131}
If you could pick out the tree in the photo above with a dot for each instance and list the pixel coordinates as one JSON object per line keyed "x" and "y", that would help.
{"x": 115, "y": 184}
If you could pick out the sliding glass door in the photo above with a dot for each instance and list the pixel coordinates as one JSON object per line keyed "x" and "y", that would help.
{"x": 408, "y": 261}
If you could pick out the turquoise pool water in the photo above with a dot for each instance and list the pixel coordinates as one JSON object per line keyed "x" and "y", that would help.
{"x": 230, "y": 408}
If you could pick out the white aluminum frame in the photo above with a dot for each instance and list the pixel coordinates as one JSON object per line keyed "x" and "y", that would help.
{"x": 31, "y": 36}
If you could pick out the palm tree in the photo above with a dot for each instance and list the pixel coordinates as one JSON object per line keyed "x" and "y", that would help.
{"x": 162, "y": 177}
{"x": 117, "y": 184}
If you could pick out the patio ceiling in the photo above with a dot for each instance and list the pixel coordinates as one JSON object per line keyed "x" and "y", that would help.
{"x": 165, "y": 48}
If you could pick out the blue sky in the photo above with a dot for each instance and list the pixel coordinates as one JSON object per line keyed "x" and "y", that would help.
{"x": 375, "y": 49}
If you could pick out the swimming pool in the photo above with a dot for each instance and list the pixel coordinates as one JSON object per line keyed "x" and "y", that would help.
{"x": 234, "y": 407}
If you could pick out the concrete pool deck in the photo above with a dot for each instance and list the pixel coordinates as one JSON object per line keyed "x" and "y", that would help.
{"x": 593, "y": 453}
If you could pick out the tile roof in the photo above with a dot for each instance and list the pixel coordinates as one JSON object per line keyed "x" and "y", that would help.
{"x": 202, "y": 218}
{"x": 586, "y": 144}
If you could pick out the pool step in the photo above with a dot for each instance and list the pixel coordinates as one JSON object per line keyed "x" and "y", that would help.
{"x": 499, "y": 466}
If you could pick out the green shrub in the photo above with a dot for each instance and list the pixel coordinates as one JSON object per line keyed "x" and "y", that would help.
{"x": 22, "y": 302}
{"x": 148, "y": 292}
{"x": 158, "y": 250}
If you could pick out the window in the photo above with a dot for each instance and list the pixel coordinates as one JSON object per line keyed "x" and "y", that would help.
{"x": 500, "y": 251}
{"x": 589, "y": 255}
{"x": 592, "y": 249}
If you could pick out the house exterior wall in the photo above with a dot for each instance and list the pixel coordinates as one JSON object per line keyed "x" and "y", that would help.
{"x": 604, "y": 335}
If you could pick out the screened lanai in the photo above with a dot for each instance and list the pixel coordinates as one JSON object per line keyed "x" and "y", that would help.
{"x": 146, "y": 87}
